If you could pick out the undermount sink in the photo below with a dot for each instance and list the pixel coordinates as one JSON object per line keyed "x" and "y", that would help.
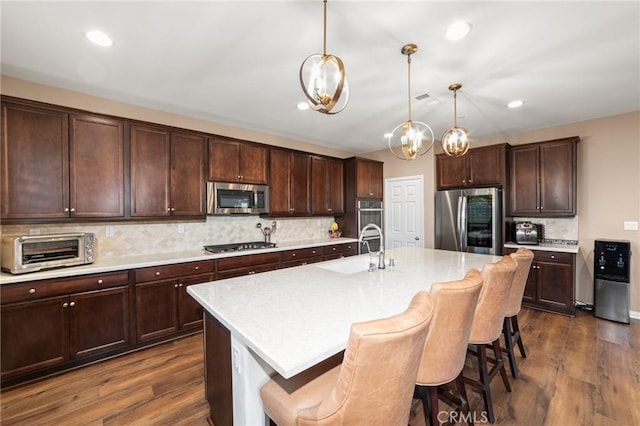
{"x": 350, "y": 265}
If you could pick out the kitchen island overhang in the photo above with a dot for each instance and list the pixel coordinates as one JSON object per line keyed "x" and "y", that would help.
{"x": 288, "y": 320}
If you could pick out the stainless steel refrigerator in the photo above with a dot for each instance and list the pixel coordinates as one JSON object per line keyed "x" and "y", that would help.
{"x": 469, "y": 220}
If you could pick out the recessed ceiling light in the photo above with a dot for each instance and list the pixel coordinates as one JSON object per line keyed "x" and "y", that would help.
{"x": 458, "y": 30}
{"x": 99, "y": 38}
{"x": 515, "y": 104}
{"x": 303, "y": 106}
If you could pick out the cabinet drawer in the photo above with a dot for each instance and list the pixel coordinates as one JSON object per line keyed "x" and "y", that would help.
{"x": 154, "y": 273}
{"x": 247, "y": 261}
{"x": 553, "y": 256}
{"x": 340, "y": 248}
{"x": 249, "y": 270}
{"x": 39, "y": 289}
{"x": 301, "y": 253}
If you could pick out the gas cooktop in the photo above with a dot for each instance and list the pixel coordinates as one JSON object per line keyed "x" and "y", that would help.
{"x": 226, "y": 248}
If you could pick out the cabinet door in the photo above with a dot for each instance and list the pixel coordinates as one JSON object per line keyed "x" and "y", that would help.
{"x": 35, "y": 163}
{"x": 96, "y": 157}
{"x": 525, "y": 198}
{"x": 335, "y": 171}
{"x": 156, "y": 309}
{"x": 300, "y": 184}
{"x": 224, "y": 158}
{"x": 555, "y": 286}
{"x": 530, "y": 294}
{"x": 319, "y": 186}
{"x": 35, "y": 335}
{"x": 486, "y": 166}
{"x": 451, "y": 172}
{"x": 150, "y": 162}
{"x": 99, "y": 321}
{"x": 557, "y": 178}
{"x": 254, "y": 161}
{"x": 189, "y": 311}
{"x": 188, "y": 177}
{"x": 368, "y": 179}
{"x": 279, "y": 175}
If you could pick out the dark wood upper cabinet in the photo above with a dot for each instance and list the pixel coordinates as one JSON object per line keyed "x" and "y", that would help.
{"x": 96, "y": 157}
{"x": 237, "y": 161}
{"x": 543, "y": 179}
{"x": 188, "y": 176}
{"x": 327, "y": 186}
{"x": 167, "y": 173}
{"x": 35, "y": 162}
{"x": 58, "y": 165}
{"x": 290, "y": 183}
{"x": 150, "y": 171}
{"x": 368, "y": 175}
{"x": 484, "y": 166}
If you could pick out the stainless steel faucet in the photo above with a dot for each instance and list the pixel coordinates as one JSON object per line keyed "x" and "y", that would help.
{"x": 380, "y": 253}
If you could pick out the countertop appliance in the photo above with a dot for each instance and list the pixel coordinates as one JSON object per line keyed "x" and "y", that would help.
{"x": 469, "y": 220}
{"x": 369, "y": 211}
{"x": 233, "y": 247}
{"x": 225, "y": 198}
{"x": 526, "y": 233}
{"x": 32, "y": 253}
{"x": 611, "y": 273}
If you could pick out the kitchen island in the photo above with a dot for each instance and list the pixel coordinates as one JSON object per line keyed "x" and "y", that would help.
{"x": 287, "y": 321}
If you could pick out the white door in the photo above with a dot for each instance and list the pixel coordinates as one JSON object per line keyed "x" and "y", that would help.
{"x": 404, "y": 212}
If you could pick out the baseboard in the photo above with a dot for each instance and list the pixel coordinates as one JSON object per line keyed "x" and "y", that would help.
{"x": 634, "y": 314}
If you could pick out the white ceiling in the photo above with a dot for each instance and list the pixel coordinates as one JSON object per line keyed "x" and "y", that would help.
{"x": 237, "y": 62}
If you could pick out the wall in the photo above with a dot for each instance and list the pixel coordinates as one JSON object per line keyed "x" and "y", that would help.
{"x": 608, "y": 187}
{"x": 148, "y": 238}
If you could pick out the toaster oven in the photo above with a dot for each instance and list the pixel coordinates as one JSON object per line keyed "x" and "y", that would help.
{"x": 526, "y": 233}
{"x": 22, "y": 254}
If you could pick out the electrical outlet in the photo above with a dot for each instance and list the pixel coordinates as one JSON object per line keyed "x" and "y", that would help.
{"x": 34, "y": 231}
{"x": 630, "y": 225}
{"x": 235, "y": 359}
{"x": 109, "y": 231}
{"x": 181, "y": 228}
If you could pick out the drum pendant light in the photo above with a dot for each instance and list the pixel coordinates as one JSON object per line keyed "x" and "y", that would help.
{"x": 409, "y": 139}
{"x": 323, "y": 79}
{"x": 455, "y": 141}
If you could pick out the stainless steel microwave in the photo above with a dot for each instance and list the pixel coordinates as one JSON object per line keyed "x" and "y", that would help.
{"x": 31, "y": 253}
{"x": 236, "y": 198}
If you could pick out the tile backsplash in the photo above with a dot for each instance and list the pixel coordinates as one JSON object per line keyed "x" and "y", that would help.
{"x": 565, "y": 229}
{"x": 147, "y": 238}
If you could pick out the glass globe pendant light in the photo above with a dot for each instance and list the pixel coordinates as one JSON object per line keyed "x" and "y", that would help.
{"x": 323, "y": 79}
{"x": 455, "y": 141}
{"x": 410, "y": 138}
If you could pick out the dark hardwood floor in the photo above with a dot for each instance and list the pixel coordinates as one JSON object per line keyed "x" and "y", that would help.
{"x": 578, "y": 371}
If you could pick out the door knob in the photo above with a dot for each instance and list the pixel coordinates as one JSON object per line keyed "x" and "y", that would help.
{"x": 417, "y": 238}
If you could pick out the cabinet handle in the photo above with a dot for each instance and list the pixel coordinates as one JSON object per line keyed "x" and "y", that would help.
{"x": 313, "y": 252}
{"x": 333, "y": 249}
{"x": 72, "y": 304}
{"x": 32, "y": 291}
{"x": 349, "y": 246}
{"x": 464, "y": 181}
{"x": 173, "y": 209}
{"x": 293, "y": 255}
{"x": 179, "y": 284}
{"x": 303, "y": 263}
{"x": 65, "y": 305}
{"x": 470, "y": 180}
{"x": 175, "y": 286}
{"x": 66, "y": 209}
{"x": 553, "y": 257}
{"x": 330, "y": 210}
{"x": 197, "y": 267}
{"x": 371, "y": 193}
{"x": 99, "y": 281}
{"x": 73, "y": 209}
{"x": 157, "y": 274}
{"x": 252, "y": 272}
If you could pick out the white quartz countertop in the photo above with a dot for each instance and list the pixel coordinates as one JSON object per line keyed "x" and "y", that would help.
{"x": 119, "y": 263}
{"x": 565, "y": 248}
{"x": 294, "y": 318}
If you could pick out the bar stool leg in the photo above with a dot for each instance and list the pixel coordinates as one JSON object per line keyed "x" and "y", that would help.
{"x": 516, "y": 332}
{"x": 465, "y": 410}
{"x": 509, "y": 349}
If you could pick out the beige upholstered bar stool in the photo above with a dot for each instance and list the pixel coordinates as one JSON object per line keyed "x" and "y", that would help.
{"x": 510, "y": 329}
{"x": 445, "y": 347}
{"x": 487, "y": 327}
{"x": 373, "y": 385}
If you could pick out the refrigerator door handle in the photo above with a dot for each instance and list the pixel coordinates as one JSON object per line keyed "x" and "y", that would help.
{"x": 462, "y": 217}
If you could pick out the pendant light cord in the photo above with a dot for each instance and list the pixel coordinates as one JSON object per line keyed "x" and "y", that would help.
{"x": 409, "y": 84}
{"x": 324, "y": 41}
{"x": 455, "y": 108}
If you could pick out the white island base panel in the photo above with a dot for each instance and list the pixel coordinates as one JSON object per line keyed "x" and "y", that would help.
{"x": 248, "y": 373}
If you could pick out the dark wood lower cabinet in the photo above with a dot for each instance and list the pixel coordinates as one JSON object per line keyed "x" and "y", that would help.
{"x": 551, "y": 282}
